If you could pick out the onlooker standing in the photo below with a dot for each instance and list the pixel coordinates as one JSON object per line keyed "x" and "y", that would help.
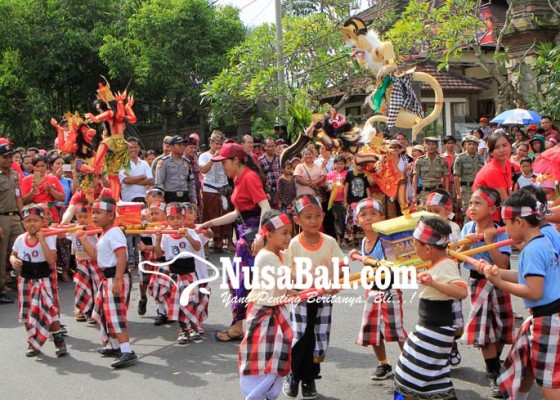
{"x": 483, "y": 127}
{"x": 551, "y": 135}
{"x": 214, "y": 195}
{"x": 309, "y": 177}
{"x": 166, "y": 150}
{"x": 174, "y": 174}
{"x": 465, "y": 168}
{"x": 10, "y": 208}
{"x": 134, "y": 185}
{"x": 270, "y": 165}
{"x": 325, "y": 160}
{"x": 191, "y": 148}
{"x": 431, "y": 169}
{"x": 248, "y": 143}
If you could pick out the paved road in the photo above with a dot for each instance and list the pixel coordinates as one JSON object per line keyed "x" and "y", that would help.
{"x": 198, "y": 371}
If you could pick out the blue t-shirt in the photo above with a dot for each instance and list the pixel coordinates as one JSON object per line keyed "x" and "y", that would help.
{"x": 539, "y": 258}
{"x": 377, "y": 251}
{"x": 470, "y": 227}
{"x": 553, "y": 235}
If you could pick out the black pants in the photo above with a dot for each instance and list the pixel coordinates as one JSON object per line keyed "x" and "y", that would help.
{"x": 303, "y": 367}
{"x": 172, "y": 197}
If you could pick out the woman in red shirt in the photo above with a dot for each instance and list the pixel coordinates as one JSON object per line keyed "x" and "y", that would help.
{"x": 42, "y": 188}
{"x": 497, "y": 173}
{"x": 250, "y": 202}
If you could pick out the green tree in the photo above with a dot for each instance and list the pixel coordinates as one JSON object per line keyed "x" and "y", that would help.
{"x": 445, "y": 32}
{"x": 547, "y": 67}
{"x": 170, "y": 48}
{"x": 315, "y": 62}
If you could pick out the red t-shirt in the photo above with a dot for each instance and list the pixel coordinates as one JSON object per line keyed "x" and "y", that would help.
{"x": 248, "y": 191}
{"x": 42, "y": 195}
{"x": 494, "y": 175}
{"x": 17, "y": 168}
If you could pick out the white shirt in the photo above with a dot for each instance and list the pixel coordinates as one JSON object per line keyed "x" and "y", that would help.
{"x": 215, "y": 175}
{"x": 32, "y": 253}
{"x": 173, "y": 245}
{"x": 108, "y": 243}
{"x": 129, "y": 192}
{"x": 78, "y": 247}
{"x": 329, "y": 166}
{"x": 201, "y": 268}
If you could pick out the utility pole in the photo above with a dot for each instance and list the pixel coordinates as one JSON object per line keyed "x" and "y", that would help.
{"x": 280, "y": 63}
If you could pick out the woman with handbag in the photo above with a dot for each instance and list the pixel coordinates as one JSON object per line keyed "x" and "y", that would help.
{"x": 251, "y": 202}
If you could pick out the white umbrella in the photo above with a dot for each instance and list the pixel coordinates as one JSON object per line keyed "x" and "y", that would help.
{"x": 517, "y": 116}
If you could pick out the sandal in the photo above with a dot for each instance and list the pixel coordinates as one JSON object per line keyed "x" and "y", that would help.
{"x": 455, "y": 357}
{"x": 229, "y": 337}
{"x": 80, "y": 317}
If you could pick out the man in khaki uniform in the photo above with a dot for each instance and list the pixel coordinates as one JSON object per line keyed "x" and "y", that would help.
{"x": 10, "y": 208}
{"x": 465, "y": 168}
{"x": 430, "y": 171}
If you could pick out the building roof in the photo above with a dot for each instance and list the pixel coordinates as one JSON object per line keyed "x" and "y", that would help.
{"x": 450, "y": 82}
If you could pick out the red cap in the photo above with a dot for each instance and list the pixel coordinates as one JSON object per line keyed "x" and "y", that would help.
{"x": 195, "y": 136}
{"x": 532, "y": 127}
{"x": 5, "y": 141}
{"x": 230, "y": 150}
{"x": 483, "y": 119}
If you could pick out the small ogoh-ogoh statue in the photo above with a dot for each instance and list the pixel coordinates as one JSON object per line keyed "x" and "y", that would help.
{"x": 75, "y": 137}
{"x": 394, "y": 93}
{"x": 112, "y": 153}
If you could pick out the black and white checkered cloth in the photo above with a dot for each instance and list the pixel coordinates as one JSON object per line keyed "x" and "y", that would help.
{"x": 402, "y": 96}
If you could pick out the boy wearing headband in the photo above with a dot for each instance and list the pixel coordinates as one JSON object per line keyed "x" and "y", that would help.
{"x": 182, "y": 272}
{"x": 382, "y": 319}
{"x": 490, "y": 323}
{"x": 535, "y": 354}
{"x": 201, "y": 268}
{"x": 35, "y": 255}
{"x": 265, "y": 351}
{"x": 154, "y": 212}
{"x": 113, "y": 296}
{"x": 439, "y": 202}
{"x": 423, "y": 369}
{"x": 88, "y": 276}
{"x": 311, "y": 321}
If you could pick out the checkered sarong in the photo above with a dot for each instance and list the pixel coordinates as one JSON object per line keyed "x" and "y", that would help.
{"x": 172, "y": 294}
{"x": 36, "y": 307}
{"x": 87, "y": 278}
{"x": 109, "y": 311}
{"x": 266, "y": 347}
{"x": 321, "y": 325}
{"x": 537, "y": 347}
{"x": 402, "y": 96}
{"x": 423, "y": 370}
{"x": 458, "y": 320}
{"x": 158, "y": 283}
{"x": 491, "y": 316}
{"x": 382, "y": 318}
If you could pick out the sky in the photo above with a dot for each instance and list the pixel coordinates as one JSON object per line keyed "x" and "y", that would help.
{"x": 257, "y": 12}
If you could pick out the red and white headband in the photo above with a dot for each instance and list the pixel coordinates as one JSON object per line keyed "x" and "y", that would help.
{"x": 510, "y": 213}
{"x": 368, "y": 203}
{"x": 104, "y": 206}
{"x": 32, "y": 210}
{"x": 82, "y": 208}
{"x": 425, "y": 234}
{"x": 160, "y": 205}
{"x": 438, "y": 199}
{"x": 275, "y": 223}
{"x": 306, "y": 201}
{"x": 491, "y": 199}
{"x": 174, "y": 210}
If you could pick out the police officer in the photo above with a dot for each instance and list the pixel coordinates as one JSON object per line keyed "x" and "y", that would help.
{"x": 10, "y": 207}
{"x": 175, "y": 174}
{"x": 465, "y": 168}
{"x": 431, "y": 170}
{"x": 166, "y": 150}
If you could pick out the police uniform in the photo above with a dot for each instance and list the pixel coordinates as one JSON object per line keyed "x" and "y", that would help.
{"x": 10, "y": 220}
{"x": 430, "y": 172}
{"x": 177, "y": 179}
{"x": 465, "y": 169}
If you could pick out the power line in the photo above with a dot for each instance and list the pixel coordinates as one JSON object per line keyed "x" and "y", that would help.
{"x": 260, "y": 12}
{"x": 247, "y": 5}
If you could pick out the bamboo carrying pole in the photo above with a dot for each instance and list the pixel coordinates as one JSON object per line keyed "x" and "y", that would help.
{"x": 463, "y": 242}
